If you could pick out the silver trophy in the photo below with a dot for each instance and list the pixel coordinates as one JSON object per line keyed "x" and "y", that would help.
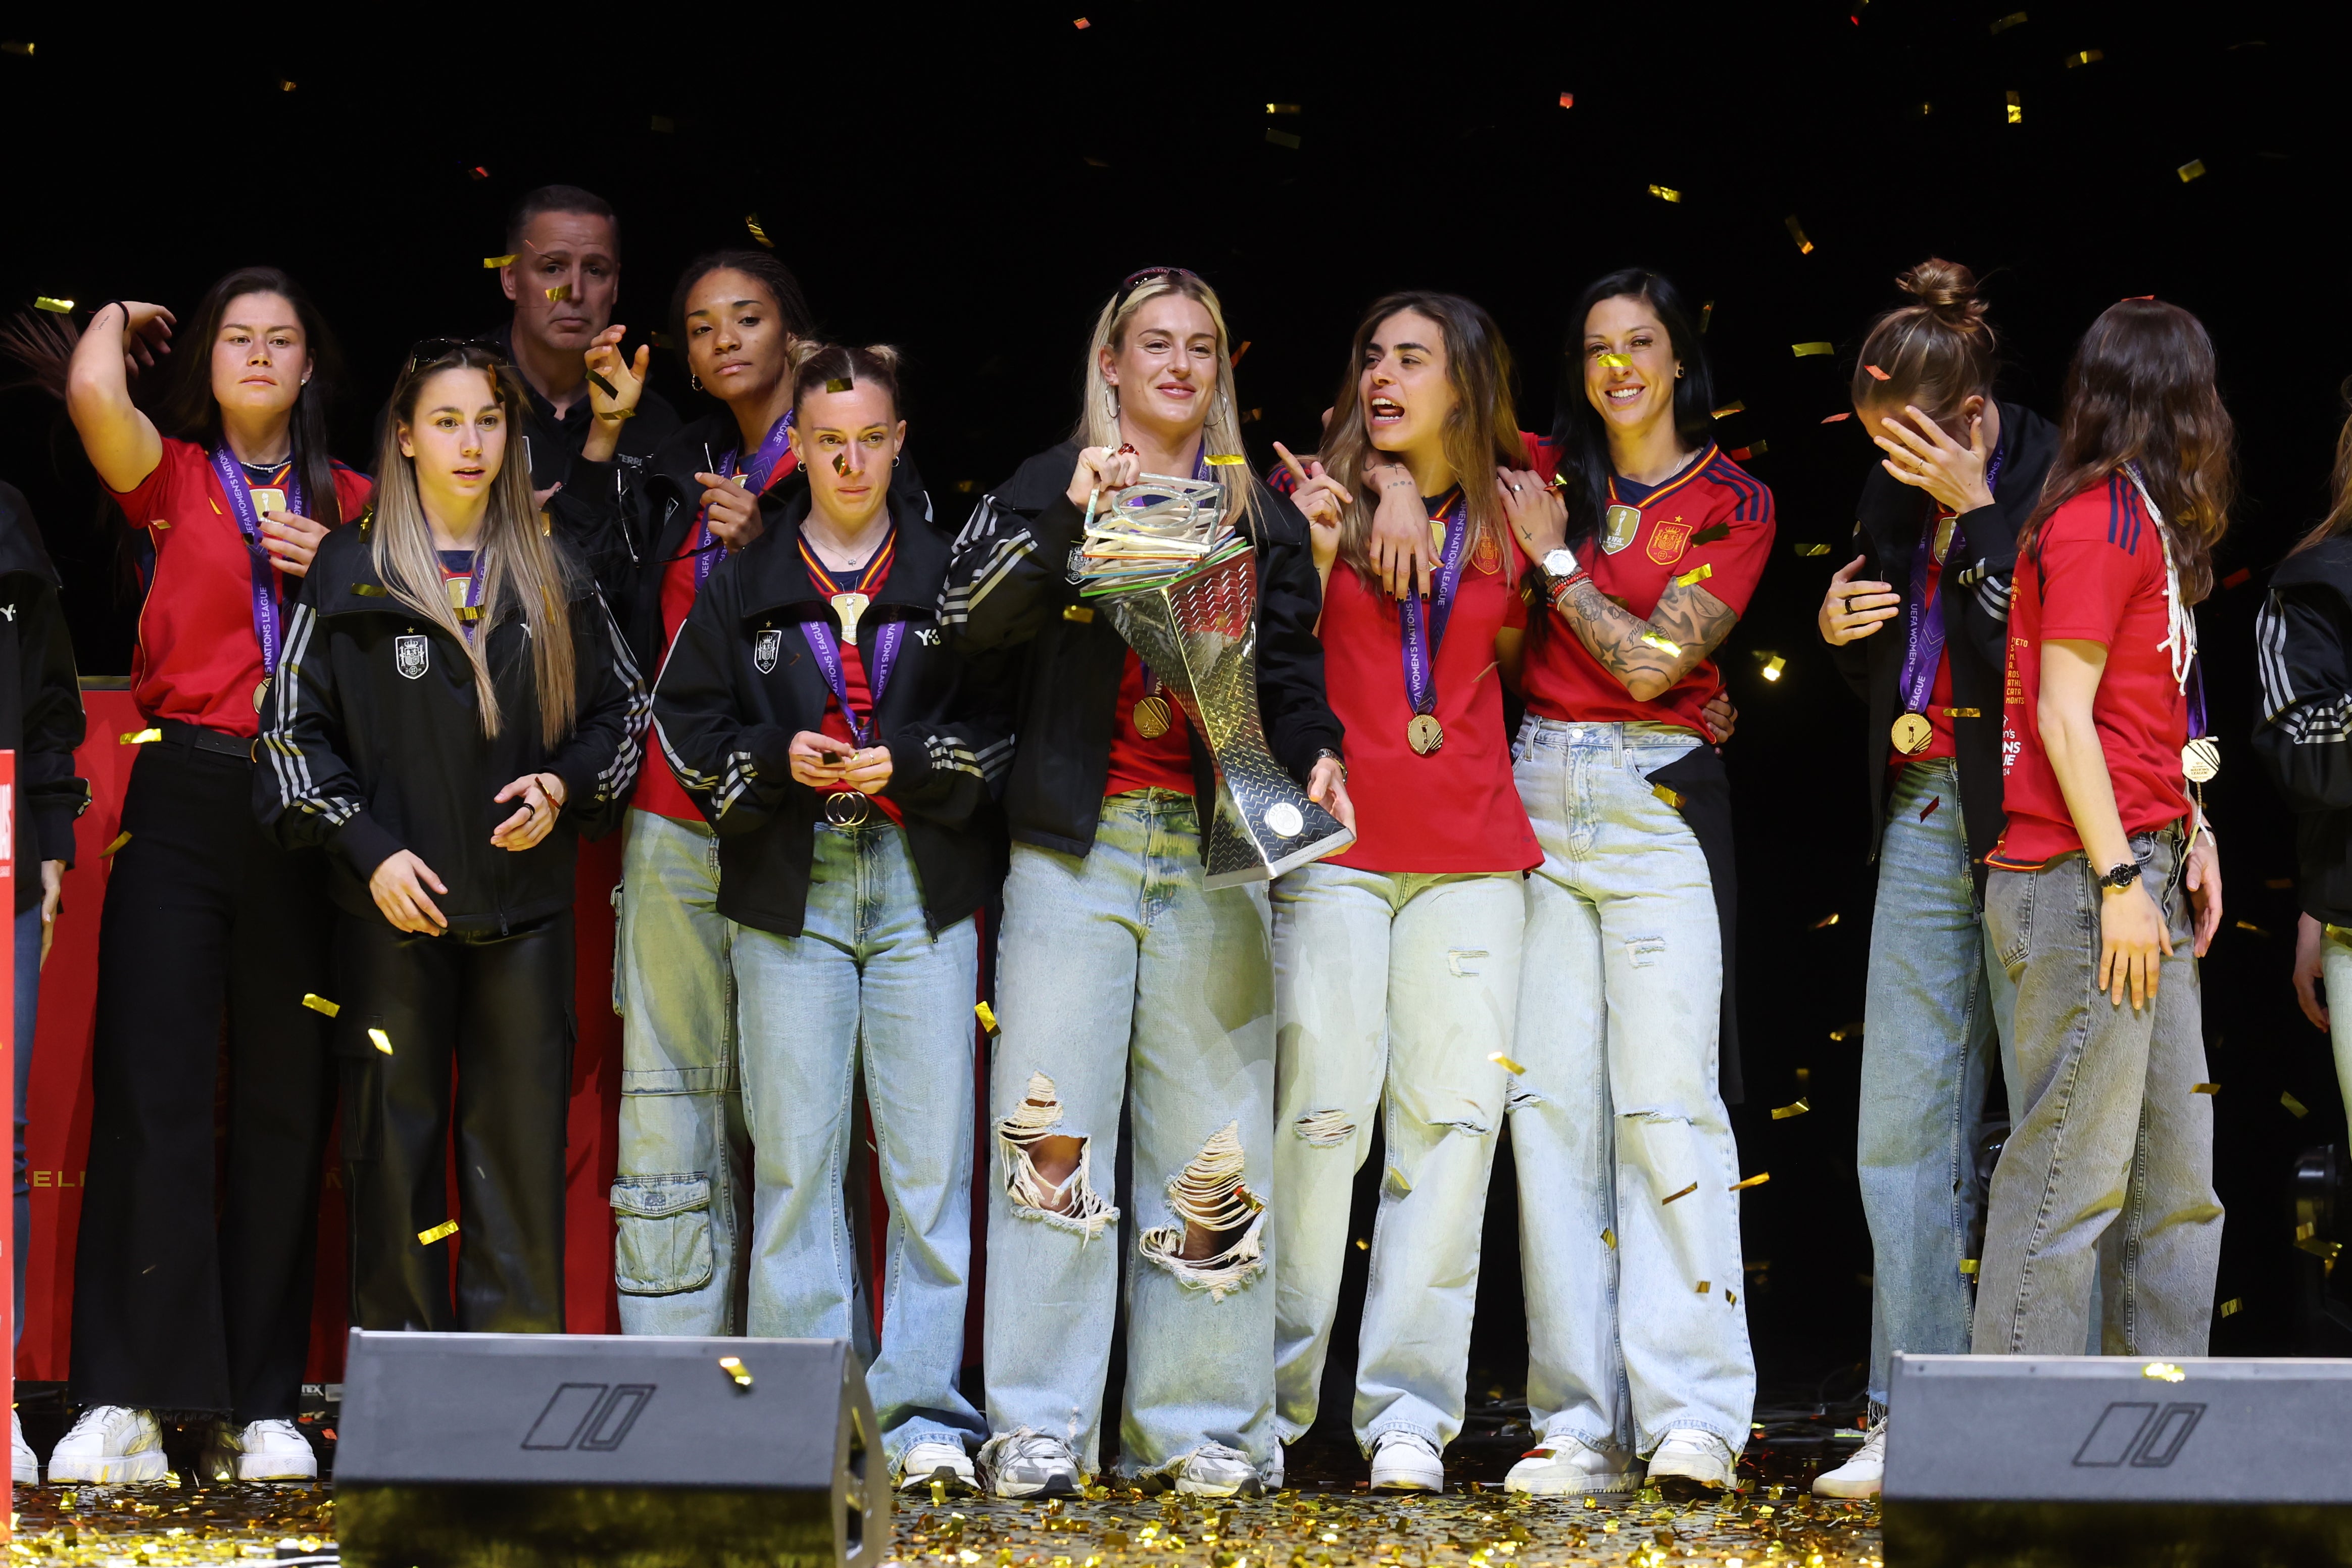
{"x": 1181, "y": 588}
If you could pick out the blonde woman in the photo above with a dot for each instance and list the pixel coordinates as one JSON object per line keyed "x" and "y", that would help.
{"x": 1121, "y": 979}
{"x": 456, "y": 710}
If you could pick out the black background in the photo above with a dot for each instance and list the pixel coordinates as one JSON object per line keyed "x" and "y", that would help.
{"x": 969, "y": 182}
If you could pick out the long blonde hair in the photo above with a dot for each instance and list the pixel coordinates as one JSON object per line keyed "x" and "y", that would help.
{"x": 1221, "y": 435}
{"x": 522, "y": 572}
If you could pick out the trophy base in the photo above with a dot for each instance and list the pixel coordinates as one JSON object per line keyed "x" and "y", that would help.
{"x": 1238, "y": 856}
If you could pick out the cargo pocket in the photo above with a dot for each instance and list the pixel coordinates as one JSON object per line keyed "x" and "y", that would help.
{"x": 663, "y": 1241}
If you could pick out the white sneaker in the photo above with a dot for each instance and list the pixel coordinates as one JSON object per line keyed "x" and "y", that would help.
{"x": 1214, "y": 1470}
{"x": 934, "y": 1460}
{"x": 1026, "y": 1463}
{"x": 1404, "y": 1462}
{"x": 273, "y": 1450}
{"x": 1862, "y": 1473}
{"x": 1688, "y": 1463}
{"x": 109, "y": 1443}
{"x": 1566, "y": 1467}
{"x": 24, "y": 1466}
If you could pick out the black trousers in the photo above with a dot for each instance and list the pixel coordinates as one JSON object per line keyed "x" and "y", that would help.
{"x": 192, "y": 1278}
{"x": 498, "y": 1010}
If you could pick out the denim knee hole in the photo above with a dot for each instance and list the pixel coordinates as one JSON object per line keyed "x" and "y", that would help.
{"x": 1325, "y": 1129}
{"x": 1208, "y": 1195}
{"x": 1070, "y": 1203}
{"x": 1645, "y": 951}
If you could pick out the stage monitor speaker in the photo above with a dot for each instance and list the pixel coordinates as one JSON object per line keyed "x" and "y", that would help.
{"x": 2099, "y": 1459}
{"x": 561, "y": 1451}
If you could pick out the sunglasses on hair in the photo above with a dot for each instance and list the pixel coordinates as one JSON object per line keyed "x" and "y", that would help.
{"x": 430, "y": 349}
{"x": 1137, "y": 279}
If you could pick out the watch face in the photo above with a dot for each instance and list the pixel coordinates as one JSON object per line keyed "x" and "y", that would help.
{"x": 1558, "y": 563}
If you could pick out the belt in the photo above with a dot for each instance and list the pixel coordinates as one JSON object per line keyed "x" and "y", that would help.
{"x": 181, "y": 733}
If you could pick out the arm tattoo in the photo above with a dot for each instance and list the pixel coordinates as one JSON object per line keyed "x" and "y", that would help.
{"x": 1689, "y": 625}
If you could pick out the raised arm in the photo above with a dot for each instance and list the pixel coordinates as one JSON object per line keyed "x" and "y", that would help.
{"x": 124, "y": 339}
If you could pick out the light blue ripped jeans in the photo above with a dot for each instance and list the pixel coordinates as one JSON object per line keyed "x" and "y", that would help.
{"x": 1392, "y": 992}
{"x": 1122, "y": 979}
{"x": 678, "y": 1195}
{"x": 1628, "y": 1222}
{"x": 865, "y": 980}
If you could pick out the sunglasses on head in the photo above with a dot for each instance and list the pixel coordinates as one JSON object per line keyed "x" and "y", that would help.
{"x": 430, "y": 349}
{"x": 1137, "y": 279}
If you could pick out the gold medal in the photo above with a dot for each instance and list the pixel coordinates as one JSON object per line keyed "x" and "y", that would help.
{"x": 1152, "y": 717}
{"x": 849, "y": 606}
{"x": 847, "y": 808}
{"x": 2201, "y": 759}
{"x": 1912, "y": 732}
{"x": 261, "y": 695}
{"x": 268, "y": 498}
{"x": 1425, "y": 735}
{"x": 1623, "y": 522}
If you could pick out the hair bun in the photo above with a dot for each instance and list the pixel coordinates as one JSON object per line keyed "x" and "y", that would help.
{"x": 1946, "y": 287}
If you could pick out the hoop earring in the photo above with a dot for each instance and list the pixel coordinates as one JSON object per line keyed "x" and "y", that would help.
{"x": 696, "y": 382}
{"x": 1110, "y": 403}
{"x": 1678, "y": 373}
{"x": 894, "y": 462}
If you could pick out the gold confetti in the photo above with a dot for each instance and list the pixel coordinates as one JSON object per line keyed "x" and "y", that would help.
{"x": 2014, "y": 19}
{"x": 2163, "y": 1371}
{"x": 2306, "y": 1230}
{"x": 1728, "y": 409}
{"x": 1774, "y": 667}
{"x": 141, "y": 737}
{"x": 1609, "y": 1238}
{"x": 120, "y": 840}
{"x": 382, "y": 1040}
{"x": 1782, "y": 1114}
{"x": 2294, "y": 1105}
{"x": 1797, "y": 233}
{"x": 2084, "y": 58}
{"x": 1281, "y": 138}
{"x": 986, "y": 1015}
{"x": 2016, "y": 110}
{"x": 1825, "y": 922}
{"x": 2206, "y": 1089}
{"x": 285, "y": 84}
{"x": 732, "y": 1365}
{"x": 1672, "y": 797}
{"x": 2190, "y": 170}
{"x": 1362, "y": 1246}
{"x": 56, "y": 307}
{"x": 17, "y": 46}
{"x": 1705, "y": 1286}
{"x": 1758, "y": 1180}
{"x": 1851, "y": 1031}
{"x": 442, "y": 1232}
{"x": 1683, "y": 1193}
{"x": 561, "y": 292}
{"x": 1804, "y": 1076}
{"x": 1665, "y": 192}
{"x": 1812, "y": 549}
{"x": 607, "y": 388}
{"x": 1877, "y": 373}
{"x": 1081, "y": 614}
{"x": 839, "y": 384}
{"x": 1706, "y": 314}
{"x": 1806, "y": 351}
{"x": 2230, "y": 1308}
{"x": 1968, "y": 1266}
{"x": 1507, "y": 1064}
{"x": 751, "y": 222}
{"x": 1731, "y": 1299}
{"x": 1568, "y": 100}
{"x": 1664, "y": 645}
{"x": 1698, "y": 573}
{"x": 495, "y": 262}
{"x": 317, "y": 1004}
{"x": 1282, "y": 109}
{"x": 1081, "y": 24}
{"x": 1225, "y": 459}
{"x": 1615, "y": 361}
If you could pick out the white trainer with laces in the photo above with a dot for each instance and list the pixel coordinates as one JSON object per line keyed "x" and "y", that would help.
{"x": 110, "y": 1444}
{"x": 1406, "y": 1462}
{"x": 1688, "y": 1463}
{"x": 1028, "y": 1463}
{"x": 272, "y": 1450}
{"x": 1862, "y": 1473}
{"x": 24, "y": 1466}
{"x": 1567, "y": 1467}
{"x": 937, "y": 1460}
{"x": 1213, "y": 1469}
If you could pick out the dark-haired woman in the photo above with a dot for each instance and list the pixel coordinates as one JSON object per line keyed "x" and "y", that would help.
{"x": 1122, "y": 980}
{"x": 456, "y": 709}
{"x": 1934, "y": 542}
{"x": 846, "y": 758}
{"x": 681, "y": 1194}
{"x": 1631, "y": 1227}
{"x": 192, "y": 1293}
{"x": 1397, "y": 960}
{"x": 2107, "y": 878}
{"x": 2304, "y": 641}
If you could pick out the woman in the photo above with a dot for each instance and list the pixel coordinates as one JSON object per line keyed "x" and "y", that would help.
{"x": 845, "y": 759}
{"x": 1630, "y": 1224}
{"x": 680, "y": 1196}
{"x": 458, "y": 709}
{"x": 1116, "y": 963}
{"x": 2304, "y": 635}
{"x": 192, "y": 1293}
{"x": 41, "y": 721}
{"x": 2087, "y": 894}
{"x": 1397, "y": 962}
{"x": 1959, "y": 473}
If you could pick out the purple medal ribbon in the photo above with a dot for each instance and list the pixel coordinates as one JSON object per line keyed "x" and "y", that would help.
{"x": 1923, "y": 643}
{"x": 887, "y": 639}
{"x": 1421, "y": 640}
{"x": 268, "y": 608}
{"x": 772, "y": 450}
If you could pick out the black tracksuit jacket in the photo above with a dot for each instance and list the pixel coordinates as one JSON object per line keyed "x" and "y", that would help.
{"x": 741, "y": 680}
{"x": 40, "y": 702}
{"x": 1009, "y": 586}
{"x": 1975, "y": 583}
{"x": 2303, "y": 652}
{"x": 372, "y": 744}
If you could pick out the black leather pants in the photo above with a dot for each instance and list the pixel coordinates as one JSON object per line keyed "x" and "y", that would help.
{"x": 498, "y": 1010}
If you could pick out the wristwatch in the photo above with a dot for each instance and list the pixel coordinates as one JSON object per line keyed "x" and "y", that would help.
{"x": 1557, "y": 567}
{"x": 2122, "y": 877}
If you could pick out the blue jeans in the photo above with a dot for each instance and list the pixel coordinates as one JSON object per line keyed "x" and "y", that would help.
{"x": 1629, "y": 1227}
{"x": 678, "y": 1195}
{"x": 1391, "y": 991}
{"x": 28, "y": 1008}
{"x": 865, "y": 980}
{"x": 1122, "y": 980}
{"x": 1936, "y": 1009}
